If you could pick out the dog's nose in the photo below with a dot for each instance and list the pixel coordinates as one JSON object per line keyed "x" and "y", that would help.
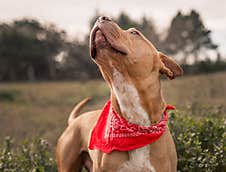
{"x": 104, "y": 18}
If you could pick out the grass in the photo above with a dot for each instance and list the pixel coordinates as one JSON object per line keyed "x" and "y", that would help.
{"x": 29, "y": 110}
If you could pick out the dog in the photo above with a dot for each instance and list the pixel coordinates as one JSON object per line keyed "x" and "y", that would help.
{"x": 132, "y": 68}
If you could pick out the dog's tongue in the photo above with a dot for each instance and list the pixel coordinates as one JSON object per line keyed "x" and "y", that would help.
{"x": 100, "y": 40}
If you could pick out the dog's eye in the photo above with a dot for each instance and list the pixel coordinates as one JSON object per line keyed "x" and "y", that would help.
{"x": 134, "y": 32}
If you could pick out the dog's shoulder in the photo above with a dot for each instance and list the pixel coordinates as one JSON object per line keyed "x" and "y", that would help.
{"x": 89, "y": 116}
{"x": 85, "y": 121}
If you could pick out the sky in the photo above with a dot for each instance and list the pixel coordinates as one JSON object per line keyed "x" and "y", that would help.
{"x": 74, "y": 15}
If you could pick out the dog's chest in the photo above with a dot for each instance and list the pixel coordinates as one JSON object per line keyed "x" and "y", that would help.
{"x": 129, "y": 102}
{"x": 139, "y": 161}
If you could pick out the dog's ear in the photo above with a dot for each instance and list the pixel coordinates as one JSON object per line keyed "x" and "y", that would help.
{"x": 169, "y": 67}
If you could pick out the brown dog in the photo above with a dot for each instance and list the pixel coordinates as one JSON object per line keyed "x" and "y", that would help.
{"x": 132, "y": 67}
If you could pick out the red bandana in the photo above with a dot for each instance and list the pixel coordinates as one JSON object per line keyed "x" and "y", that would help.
{"x": 112, "y": 132}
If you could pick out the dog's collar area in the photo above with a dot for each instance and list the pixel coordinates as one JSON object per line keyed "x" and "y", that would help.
{"x": 112, "y": 132}
{"x": 168, "y": 107}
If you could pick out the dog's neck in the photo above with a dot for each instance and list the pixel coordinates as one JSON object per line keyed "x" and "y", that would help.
{"x": 139, "y": 101}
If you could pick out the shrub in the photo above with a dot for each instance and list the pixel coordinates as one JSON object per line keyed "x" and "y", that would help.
{"x": 200, "y": 142}
{"x": 200, "y": 146}
{"x": 29, "y": 157}
{"x": 8, "y": 95}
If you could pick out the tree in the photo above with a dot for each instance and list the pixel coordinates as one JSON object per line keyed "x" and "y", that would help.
{"x": 54, "y": 43}
{"x": 126, "y": 22}
{"x": 28, "y": 50}
{"x": 147, "y": 27}
{"x": 187, "y": 34}
{"x": 77, "y": 64}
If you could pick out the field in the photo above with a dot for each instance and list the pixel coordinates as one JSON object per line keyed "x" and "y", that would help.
{"x": 40, "y": 110}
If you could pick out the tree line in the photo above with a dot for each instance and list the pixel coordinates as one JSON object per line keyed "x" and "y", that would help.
{"x": 30, "y": 50}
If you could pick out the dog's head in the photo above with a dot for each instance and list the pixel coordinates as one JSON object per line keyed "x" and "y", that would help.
{"x": 128, "y": 52}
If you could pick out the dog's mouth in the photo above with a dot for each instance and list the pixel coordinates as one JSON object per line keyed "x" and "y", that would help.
{"x": 98, "y": 40}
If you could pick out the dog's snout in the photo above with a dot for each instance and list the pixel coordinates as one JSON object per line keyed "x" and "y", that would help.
{"x": 104, "y": 18}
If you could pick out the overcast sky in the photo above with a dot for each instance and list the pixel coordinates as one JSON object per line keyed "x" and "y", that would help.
{"x": 74, "y": 15}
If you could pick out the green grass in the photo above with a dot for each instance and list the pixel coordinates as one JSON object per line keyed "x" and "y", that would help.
{"x": 29, "y": 110}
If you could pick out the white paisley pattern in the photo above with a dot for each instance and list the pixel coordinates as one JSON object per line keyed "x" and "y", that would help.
{"x": 117, "y": 127}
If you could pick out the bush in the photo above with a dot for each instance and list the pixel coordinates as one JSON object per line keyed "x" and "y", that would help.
{"x": 8, "y": 95}
{"x": 200, "y": 142}
{"x": 200, "y": 146}
{"x": 29, "y": 157}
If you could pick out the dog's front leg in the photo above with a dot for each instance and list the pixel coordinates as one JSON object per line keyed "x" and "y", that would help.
{"x": 68, "y": 151}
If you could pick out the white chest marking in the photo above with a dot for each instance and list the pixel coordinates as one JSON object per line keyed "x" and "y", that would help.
{"x": 139, "y": 161}
{"x": 129, "y": 102}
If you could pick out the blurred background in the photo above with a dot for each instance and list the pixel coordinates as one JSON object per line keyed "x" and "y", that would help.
{"x": 45, "y": 69}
